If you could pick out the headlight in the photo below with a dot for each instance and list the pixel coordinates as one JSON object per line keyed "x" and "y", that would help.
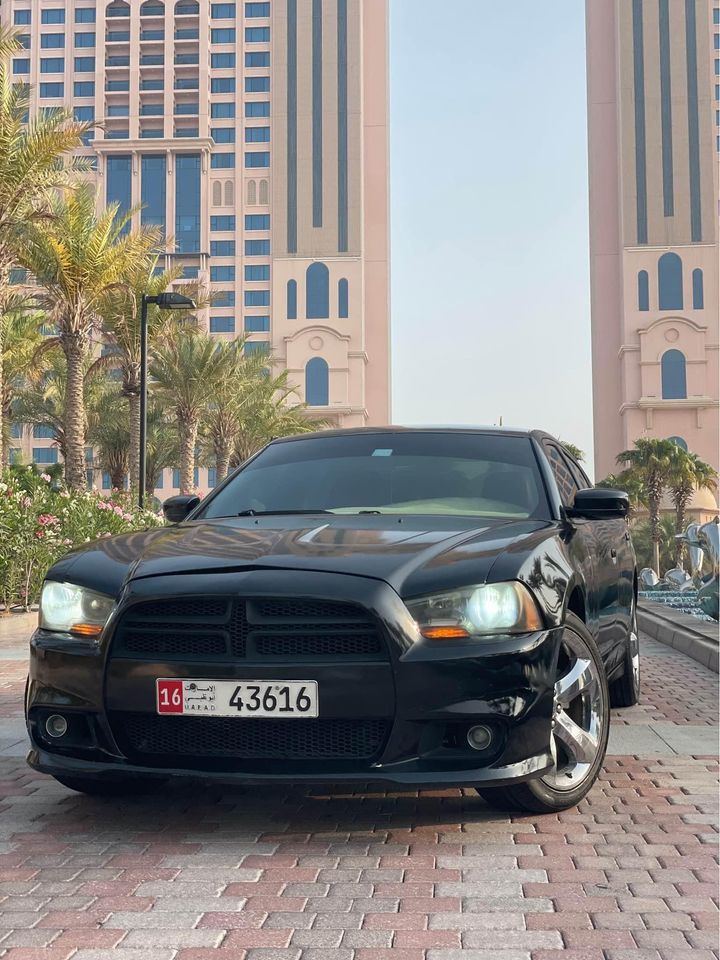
{"x": 72, "y": 609}
{"x": 476, "y": 612}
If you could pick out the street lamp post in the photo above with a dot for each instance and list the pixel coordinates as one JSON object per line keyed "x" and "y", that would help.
{"x": 166, "y": 301}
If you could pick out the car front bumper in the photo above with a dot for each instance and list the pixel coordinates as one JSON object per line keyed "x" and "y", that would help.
{"x": 424, "y": 695}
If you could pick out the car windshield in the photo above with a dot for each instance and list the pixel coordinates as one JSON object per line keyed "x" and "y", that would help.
{"x": 410, "y": 473}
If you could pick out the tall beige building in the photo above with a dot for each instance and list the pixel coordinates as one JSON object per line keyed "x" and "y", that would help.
{"x": 654, "y": 148}
{"x": 255, "y": 134}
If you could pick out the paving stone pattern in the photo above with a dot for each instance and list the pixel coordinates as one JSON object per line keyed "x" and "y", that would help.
{"x": 226, "y": 874}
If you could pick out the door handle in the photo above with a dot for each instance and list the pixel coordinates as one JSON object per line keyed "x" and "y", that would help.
{"x": 613, "y": 554}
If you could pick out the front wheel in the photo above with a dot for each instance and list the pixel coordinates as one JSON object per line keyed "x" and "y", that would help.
{"x": 580, "y": 728}
{"x": 625, "y": 691}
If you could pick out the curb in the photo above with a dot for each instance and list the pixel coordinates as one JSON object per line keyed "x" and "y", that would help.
{"x": 695, "y": 638}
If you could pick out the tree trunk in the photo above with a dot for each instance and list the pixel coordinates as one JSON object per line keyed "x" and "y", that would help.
{"x": 4, "y": 293}
{"x": 6, "y": 416}
{"x": 222, "y": 462}
{"x": 117, "y": 477}
{"x": 134, "y": 405}
{"x": 74, "y": 412}
{"x": 682, "y": 499}
{"x": 188, "y": 442}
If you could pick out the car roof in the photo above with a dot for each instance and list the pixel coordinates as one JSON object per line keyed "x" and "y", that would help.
{"x": 436, "y": 428}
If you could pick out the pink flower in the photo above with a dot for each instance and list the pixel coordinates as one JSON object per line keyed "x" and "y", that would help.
{"x": 25, "y": 502}
{"x": 119, "y": 511}
{"x": 47, "y": 520}
{"x": 67, "y": 542}
{"x": 46, "y": 477}
{"x": 40, "y": 534}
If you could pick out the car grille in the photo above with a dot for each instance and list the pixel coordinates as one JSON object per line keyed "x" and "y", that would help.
{"x": 226, "y": 628}
{"x": 175, "y": 738}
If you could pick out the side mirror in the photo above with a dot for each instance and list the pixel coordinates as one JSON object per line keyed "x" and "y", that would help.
{"x": 600, "y": 503}
{"x": 177, "y": 508}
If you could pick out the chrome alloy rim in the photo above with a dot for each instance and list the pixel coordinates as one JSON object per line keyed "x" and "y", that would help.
{"x": 578, "y": 715}
{"x": 634, "y": 649}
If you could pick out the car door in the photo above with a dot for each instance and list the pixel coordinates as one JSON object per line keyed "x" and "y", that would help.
{"x": 579, "y": 535}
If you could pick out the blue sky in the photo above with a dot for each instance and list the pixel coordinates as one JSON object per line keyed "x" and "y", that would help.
{"x": 490, "y": 270}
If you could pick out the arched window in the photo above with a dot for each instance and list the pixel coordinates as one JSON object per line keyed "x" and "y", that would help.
{"x": 679, "y": 442}
{"x": 292, "y": 299}
{"x": 317, "y": 391}
{"x": 229, "y": 193}
{"x": 317, "y": 292}
{"x": 118, "y": 9}
{"x": 151, "y": 8}
{"x": 217, "y": 193}
{"x": 251, "y": 193}
{"x": 186, "y": 7}
{"x": 698, "y": 294}
{"x": 670, "y": 282}
{"x": 264, "y": 198}
{"x": 343, "y": 306}
{"x": 674, "y": 378}
{"x": 643, "y": 291}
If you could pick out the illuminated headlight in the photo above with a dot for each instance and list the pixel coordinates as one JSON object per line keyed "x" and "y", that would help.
{"x": 493, "y": 608}
{"x": 68, "y": 608}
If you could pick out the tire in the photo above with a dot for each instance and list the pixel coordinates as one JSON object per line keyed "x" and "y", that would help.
{"x": 105, "y": 788}
{"x": 625, "y": 691}
{"x": 582, "y": 700}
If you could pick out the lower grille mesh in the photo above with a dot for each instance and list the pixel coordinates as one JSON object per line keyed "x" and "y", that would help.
{"x": 253, "y": 738}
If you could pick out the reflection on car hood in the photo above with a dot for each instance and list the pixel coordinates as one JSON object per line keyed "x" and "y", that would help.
{"x": 408, "y": 553}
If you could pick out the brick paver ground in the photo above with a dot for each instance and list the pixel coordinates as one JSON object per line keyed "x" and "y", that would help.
{"x": 227, "y": 874}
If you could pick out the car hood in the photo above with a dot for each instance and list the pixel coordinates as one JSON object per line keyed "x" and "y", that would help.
{"x": 409, "y": 553}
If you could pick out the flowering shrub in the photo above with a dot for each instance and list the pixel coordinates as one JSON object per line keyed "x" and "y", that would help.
{"x": 39, "y": 523}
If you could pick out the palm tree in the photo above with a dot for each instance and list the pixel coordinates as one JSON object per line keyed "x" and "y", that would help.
{"x": 650, "y": 462}
{"x": 20, "y": 360}
{"x": 163, "y": 448}
{"x": 189, "y": 370}
{"x": 575, "y": 452}
{"x": 644, "y": 546}
{"x": 688, "y": 473}
{"x": 631, "y": 484}
{"x": 77, "y": 257}
{"x": 30, "y": 167}
{"x": 109, "y": 434}
{"x": 120, "y": 310}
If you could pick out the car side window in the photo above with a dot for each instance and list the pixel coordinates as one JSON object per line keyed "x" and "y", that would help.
{"x": 567, "y": 484}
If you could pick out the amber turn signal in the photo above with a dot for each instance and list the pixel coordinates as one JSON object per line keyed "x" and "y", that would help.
{"x": 444, "y": 633}
{"x": 86, "y": 629}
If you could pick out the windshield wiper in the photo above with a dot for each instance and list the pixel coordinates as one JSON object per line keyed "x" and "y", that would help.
{"x": 278, "y": 513}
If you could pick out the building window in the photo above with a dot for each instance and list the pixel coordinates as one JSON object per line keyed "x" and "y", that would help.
{"x": 176, "y": 477}
{"x": 85, "y": 15}
{"x": 257, "y": 272}
{"x": 674, "y": 377}
{"x": 223, "y": 35}
{"x": 153, "y": 187}
{"x": 52, "y": 64}
{"x": 119, "y": 184}
{"x": 260, "y": 324}
{"x": 52, "y": 41}
{"x": 22, "y": 18}
{"x": 84, "y": 64}
{"x": 257, "y": 248}
{"x": 343, "y": 299}
{"x": 257, "y": 160}
{"x": 670, "y": 282}
{"x": 257, "y": 298}
{"x": 257, "y": 134}
{"x": 24, "y": 40}
{"x": 222, "y": 274}
{"x": 21, "y": 67}
{"x": 223, "y": 134}
{"x": 643, "y": 291}
{"x": 222, "y": 161}
{"x": 212, "y": 477}
{"x": 251, "y": 193}
{"x": 45, "y": 455}
{"x": 187, "y": 8}
{"x": 222, "y": 111}
{"x": 697, "y": 287}
{"x": 264, "y": 193}
{"x": 317, "y": 389}
{"x": 257, "y": 221}
{"x": 217, "y": 193}
{"x": 292, "y": 299}
{"x": 257, "y": 85}
{"x": 43, "y": 431}
{"x": 222, "y": 61}
{"x": 260, "y": 58}
{"x": 222, "y": 324}
{"x": 187, "y": 202}
{"x": 52, "y": 16}
{"x": 257, "y": 108}
{"x": 223, "y": 11}
{"x": 84, "y": 88}
{"x": 257, "y": 34}
{"x": 222, "y": 248}
{"x": 222, "y": 223}
{"x": 229, "y": 193}
{"x": 52, "y": 90}
{"x": 257, "y": 346}
{"x": 151, "y": 9}
{"x": 258, "y": 10}
{"x": 85, "y": 40}
{"x": 317, "y": 292}
{"x": 222, "y": 85}
{"x": 679, "y": 442}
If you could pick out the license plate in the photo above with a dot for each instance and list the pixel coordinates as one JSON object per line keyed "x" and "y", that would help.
{"x": 230, "y": 698}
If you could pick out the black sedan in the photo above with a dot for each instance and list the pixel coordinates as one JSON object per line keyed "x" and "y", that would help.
{"x": 406, "y": 607}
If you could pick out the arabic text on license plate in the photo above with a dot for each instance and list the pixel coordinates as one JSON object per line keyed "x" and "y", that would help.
{"x": 232, "y": 698}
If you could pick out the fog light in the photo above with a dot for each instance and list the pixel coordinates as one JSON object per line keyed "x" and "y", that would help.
{"x": 480, "y": 737}
{"x": 56, "y": 726}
